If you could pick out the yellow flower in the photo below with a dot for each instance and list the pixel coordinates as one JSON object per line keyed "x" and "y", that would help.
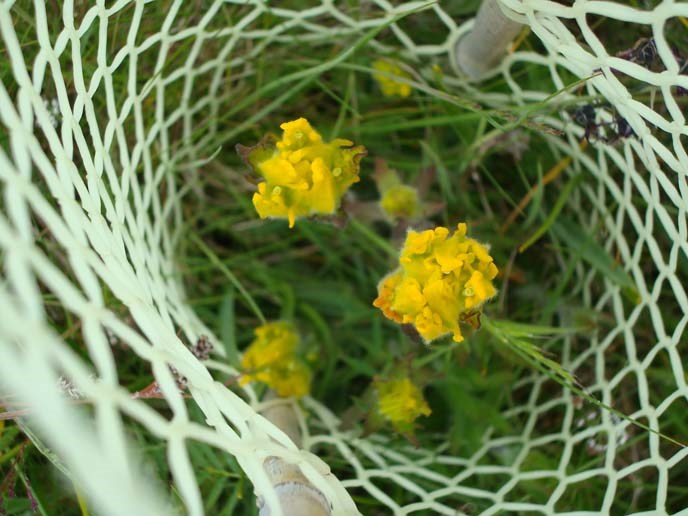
{"x": 386, "y": 290}
{"x": 440, "y": 279}
{"x": 400, "y": 401}
{"x": 297, "y": 135}
{"x": 271, "y": 358}
{"x": 302, "y": 174}
{"x": 389, "y": 86}
{"x": 400, "y": 201}
{"x": 292, "y": 378}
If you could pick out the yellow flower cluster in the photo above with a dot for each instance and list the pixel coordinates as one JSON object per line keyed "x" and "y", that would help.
{"x": 303, "y": 175}
{"x": 389, "y": 86}
{"x": 400, "y": 401}
{"x": 401, "y": 201}
{"x": 271, "y": 358}
{"x": 440, "y": 278}
{"x": 398, "y": 201}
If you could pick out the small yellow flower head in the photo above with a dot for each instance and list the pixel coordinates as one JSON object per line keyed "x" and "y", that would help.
{"x": 401, "y": 202}
{"x": 398, "y": 201}
{"x": 271, "y": 358}
{"x": 400, "y": 402}
{"x": 440, "y": 279}
{"x": 302, "y": 174}
{"x": 389, "y": 86}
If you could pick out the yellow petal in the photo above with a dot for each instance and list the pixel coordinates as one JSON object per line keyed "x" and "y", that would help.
{"x": 417, "y": 243}
{"x": 408, "y": 298}
{"x": 269, "y": 204}
{"x": 429, "y": 325}
{"x": 443, "y": 299}
{"x": 298, "y": 134}
{"x": 400, "y": 401}
{"x": 478, "y": 289}
{"x": 386, "y": 291}
{"x": 322, "y": 196}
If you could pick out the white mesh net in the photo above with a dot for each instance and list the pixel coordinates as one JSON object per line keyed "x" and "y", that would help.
{"x": 91, "y": 213}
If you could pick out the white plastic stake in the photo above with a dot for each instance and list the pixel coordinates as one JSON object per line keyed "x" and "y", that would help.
{"x": 481, "y": 49}
{"x": 297, "y": 496}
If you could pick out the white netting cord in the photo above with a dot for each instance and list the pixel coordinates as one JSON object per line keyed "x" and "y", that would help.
{"x": 664, "y": 158}
{"x": 124, "y": 245}
{"x": 96, "y": 186}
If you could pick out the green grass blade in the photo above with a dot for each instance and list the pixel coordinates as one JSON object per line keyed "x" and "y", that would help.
{"x": 556, "y": 210}
{"x": 231, "y": 277}
{"x": 574, "y": 237}
{"x": 533, "y": 356}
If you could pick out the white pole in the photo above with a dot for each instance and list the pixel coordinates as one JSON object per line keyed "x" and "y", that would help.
{"x": 297, "y": 496}
{"x": 481, "y": 49}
